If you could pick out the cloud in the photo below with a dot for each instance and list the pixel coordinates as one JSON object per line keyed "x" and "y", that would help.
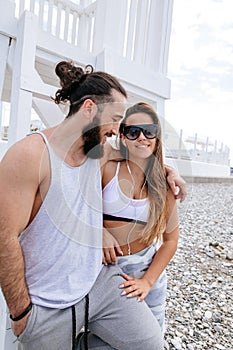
{"x": 201, "y": 68}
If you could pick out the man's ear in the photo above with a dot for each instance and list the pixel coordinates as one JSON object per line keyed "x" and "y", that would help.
{"x": 123, "y": 140}
{"x": 89, "y": 109}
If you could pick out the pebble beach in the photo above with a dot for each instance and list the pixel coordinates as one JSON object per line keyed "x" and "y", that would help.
{"x": 199, "y": 310}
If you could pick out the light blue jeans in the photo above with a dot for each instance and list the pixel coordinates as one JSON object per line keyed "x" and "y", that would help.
{"x": 135, "y": 265}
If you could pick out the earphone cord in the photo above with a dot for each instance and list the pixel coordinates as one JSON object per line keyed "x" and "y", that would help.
{"x": 131, "y": 230}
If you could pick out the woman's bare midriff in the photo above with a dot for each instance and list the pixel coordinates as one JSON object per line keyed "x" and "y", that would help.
{"x": 120, "y": 231}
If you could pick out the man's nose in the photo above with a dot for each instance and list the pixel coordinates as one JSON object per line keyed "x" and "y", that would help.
{"x": 115, "y": 128}
{"x": 114, "y": 131}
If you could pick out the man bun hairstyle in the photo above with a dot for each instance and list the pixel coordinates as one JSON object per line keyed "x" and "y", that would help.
{"x": 78, "y": 84}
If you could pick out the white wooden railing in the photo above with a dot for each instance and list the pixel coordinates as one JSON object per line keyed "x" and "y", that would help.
{"x": 131, "y": 27}
{"x": 64, "y": 19}
{"x": 195, "y": 148}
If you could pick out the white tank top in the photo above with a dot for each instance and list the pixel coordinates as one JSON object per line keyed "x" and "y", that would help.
{"x": 62, "y": 246}
{"x": 118, "y": 205}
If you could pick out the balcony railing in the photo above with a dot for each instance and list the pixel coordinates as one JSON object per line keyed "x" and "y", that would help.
{"x": 64, "y": 19}
{"x": 130, "y": 27}
{"x": 196, "y": 148}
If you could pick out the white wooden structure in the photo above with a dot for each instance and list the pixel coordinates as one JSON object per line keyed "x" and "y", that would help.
{"x": 127, "y": 38}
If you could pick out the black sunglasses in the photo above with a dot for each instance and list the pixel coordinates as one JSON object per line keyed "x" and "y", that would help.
{"x": 132, "y": 132}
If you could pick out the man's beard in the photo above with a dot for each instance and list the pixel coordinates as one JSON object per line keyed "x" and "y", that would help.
{"x": 91, "y": 136}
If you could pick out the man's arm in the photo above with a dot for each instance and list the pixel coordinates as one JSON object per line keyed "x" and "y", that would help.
{"x": 110, "y": 153}
{"x": 19, "y": 181}
{"x": 176, "y": 183}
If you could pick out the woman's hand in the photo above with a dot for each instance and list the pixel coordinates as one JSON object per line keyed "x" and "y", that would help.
{"x": 110, "y": 248}
{"x": 135, "y": 287}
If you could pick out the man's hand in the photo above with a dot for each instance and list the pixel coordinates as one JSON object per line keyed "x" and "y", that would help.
{"x": 135, "y": 287}
{"x": 110, "y": 248}
{"x": 19, "y": 326}
{"x": 176, "y": 183}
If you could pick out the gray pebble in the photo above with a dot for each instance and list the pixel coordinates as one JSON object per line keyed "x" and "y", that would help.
{"x": 199, "y": 312}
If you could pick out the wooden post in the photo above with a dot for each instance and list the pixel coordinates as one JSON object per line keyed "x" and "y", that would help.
{"x": 130, "y": 40}
{"x": 180, "y": 144}
{"x": 23, "y": 67}
{"x": 195, "y": 147}
{"x": 110, "y": 24}
{"x": 141, "y": 31}
{"x": 159, "y": 35}
{"x": 4, "y": 42}
{"x": 215, "y": 152}
{"x": 206, "y": 150}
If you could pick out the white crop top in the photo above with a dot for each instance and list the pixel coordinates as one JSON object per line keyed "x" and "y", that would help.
{"x": 118, "y": 207}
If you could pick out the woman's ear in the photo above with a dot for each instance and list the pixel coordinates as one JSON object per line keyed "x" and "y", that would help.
{"x": 89, "y": 109}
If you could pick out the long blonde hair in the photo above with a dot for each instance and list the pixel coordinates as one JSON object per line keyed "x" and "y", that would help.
{"x": 155, "y": 177}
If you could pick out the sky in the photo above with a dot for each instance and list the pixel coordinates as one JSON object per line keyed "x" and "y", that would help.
{"x": 201, "y": 69}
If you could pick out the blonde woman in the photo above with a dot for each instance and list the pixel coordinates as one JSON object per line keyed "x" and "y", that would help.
{"x": 139, "y": 211}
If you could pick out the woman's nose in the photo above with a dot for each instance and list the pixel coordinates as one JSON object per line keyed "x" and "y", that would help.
{"x": 141, "y": 136}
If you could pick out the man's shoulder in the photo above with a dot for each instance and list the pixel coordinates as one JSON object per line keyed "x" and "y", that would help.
{"x": 26, "y": 154}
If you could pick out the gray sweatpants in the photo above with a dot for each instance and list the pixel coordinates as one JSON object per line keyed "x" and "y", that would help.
{"x": 117, "y": 321}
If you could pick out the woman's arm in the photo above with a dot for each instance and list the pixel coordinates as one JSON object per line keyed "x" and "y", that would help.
{"x": 141, "y": 287}
{"x": 110, "y": 245}
{"x": 111, "y": 248}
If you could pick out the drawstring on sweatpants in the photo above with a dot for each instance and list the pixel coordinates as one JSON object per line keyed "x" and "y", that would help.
{"x": 74, "y": 340}
{"x": 86, "y": 322}
{"x": 73, "y": 327}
